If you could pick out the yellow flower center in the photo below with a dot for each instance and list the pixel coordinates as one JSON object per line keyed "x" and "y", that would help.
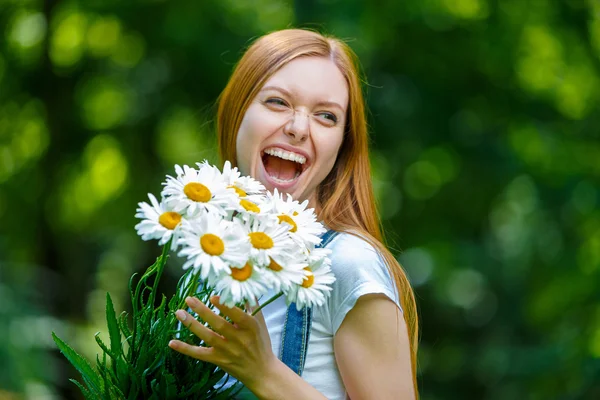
{"x": 273, "y": 266}
{"x": 288, "y": 220}
{"x": 308, "y": 280}
{"x": 239, "y": 191}
{"x": 212, "y": 244}
{"x": 241, "y": 274}
{"x": 249, "y": 206}
{"x": 197, "y": 192}
{"x": 169, "y": 219}
{"x": 260, "y": 240}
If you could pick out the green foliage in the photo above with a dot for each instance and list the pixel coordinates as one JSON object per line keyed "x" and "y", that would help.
{"x": 138, "y": 364}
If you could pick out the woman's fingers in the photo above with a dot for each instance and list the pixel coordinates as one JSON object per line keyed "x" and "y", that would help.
{"x": 217, "y": 323}
{"x": 237, "y": 315}
{"x": 210, "y": 338}
{"x": 198, "y": 352}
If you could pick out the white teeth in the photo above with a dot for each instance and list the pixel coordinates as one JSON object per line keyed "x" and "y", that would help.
{"x": 286, "y": 155}
{"x": 284, "y": 180}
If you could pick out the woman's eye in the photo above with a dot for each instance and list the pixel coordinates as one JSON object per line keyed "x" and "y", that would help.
{"x": 276, "y": 101}
{"x": 329, "y": 116}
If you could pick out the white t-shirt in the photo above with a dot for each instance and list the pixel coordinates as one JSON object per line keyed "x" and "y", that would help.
{"x": 359, "y": 270}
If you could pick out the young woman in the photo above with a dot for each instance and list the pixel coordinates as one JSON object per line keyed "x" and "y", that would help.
{"x": 292, "y": 116}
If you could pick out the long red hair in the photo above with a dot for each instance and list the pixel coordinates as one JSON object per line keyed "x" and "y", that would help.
{"x": 346, "y": 198}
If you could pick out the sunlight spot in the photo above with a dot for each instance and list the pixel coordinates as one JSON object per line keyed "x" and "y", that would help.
{"x": 129, "y": 50}
{"x": 103, "y": 36}
{"x": 183, "y": 138}
{"x": 588, "y": 254}
{"x": 106, "y": 103}
{"x": 467, "y": 9}
{"x": 446, "y": 161}
{"x": 24, "y": 125}
{"x": 577, "y": 90}
{"x": 107, "y": 166}
{"x": 422, "y": 180}
{"x": 102, "y": 178}
{"x": 28, "y": 29}
{"x": 465, "y": 288}
{"x": 67, "y": 40}
{"x": 541, "y": 64}
{"x": 419, "y": 264}
{"x": 594, "y": 29}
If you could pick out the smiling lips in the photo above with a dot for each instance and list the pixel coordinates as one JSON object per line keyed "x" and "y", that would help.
{"x": 283, "y": 166}
{"x": 286, "y": 155}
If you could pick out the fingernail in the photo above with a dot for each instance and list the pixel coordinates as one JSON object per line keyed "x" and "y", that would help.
{"x": 192, "y": 301}
{"x": 180, "y": 314}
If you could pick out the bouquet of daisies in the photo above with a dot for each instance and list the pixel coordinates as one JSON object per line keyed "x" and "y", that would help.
{"x": 239, "y": 242}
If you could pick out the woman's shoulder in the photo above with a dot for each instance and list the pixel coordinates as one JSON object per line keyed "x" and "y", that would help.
{"x": 355, "y": 261}
{"x": 359, "y": 269}
{"x": 348, "y": 248}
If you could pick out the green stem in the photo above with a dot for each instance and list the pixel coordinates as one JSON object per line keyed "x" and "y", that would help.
{"x": 160, "y": 269}
{"x": 272, "y": 299}
{"x": 137, "y": 300}
{"x": 191, "y": 288}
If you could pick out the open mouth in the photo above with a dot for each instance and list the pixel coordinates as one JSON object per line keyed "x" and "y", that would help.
{"x": 282, "y": 166}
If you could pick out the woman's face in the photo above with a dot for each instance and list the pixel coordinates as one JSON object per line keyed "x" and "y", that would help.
{"x": 292, "y": 131}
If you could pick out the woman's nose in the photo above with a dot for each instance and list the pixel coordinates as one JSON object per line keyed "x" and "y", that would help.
{"x": 298, "y": 127}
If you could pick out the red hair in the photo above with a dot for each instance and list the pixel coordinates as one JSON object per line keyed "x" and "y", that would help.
{"x": 346, "y": 198}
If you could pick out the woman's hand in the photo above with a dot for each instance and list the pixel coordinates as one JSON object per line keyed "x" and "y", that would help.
{"x": 241, "y": 348}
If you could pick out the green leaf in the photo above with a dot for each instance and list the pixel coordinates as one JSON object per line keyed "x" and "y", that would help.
{"x": 86, "y": 393}
{"x": 171, "y": 390}
{"x": 144, "y": 366}
{"x": 113, "y": 329}
{"x": 82, "y": 365}
{"x": 103, "y": 346}
{"x": 124, "y": 326}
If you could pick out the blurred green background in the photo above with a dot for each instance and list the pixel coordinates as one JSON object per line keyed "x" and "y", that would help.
{"x": 486, "y": 160}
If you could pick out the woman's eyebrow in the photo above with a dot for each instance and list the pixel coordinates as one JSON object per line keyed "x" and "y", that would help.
{"x": 330, "y": 104}
{"x": 287, "y": 93}
{"x": 276, "y": 88}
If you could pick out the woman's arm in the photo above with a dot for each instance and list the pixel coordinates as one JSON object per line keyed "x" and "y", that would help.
{"x": 372, "y": 351}
{"x": 283, "y": 383}
{"x": 243, "y": 349}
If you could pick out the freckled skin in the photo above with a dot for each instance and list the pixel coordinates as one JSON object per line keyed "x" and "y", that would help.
{"x": 302, "y": 107}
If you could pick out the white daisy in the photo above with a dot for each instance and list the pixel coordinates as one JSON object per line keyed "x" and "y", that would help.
{"x": 253, "y": 207}
{"x": 316, "y": 286}
{"x": 268, "y": 240}
{"x": 242, "y": 285}
{"x": 284, "y": 272}
{"x": 193, "y": 191}
{"x": 158, "y": 221}
{"x": 319, "y": 256}
{"x": 243, "y": 185}
{"x": 304, "y": 227}
{"x": 213, "y": 244}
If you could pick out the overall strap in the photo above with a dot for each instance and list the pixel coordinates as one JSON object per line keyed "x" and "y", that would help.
{"x": 296, "y": 330}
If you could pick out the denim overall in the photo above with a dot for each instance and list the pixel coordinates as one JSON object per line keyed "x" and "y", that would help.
{"x": 296, "y": 330}
{"x": 295, "y": 334}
